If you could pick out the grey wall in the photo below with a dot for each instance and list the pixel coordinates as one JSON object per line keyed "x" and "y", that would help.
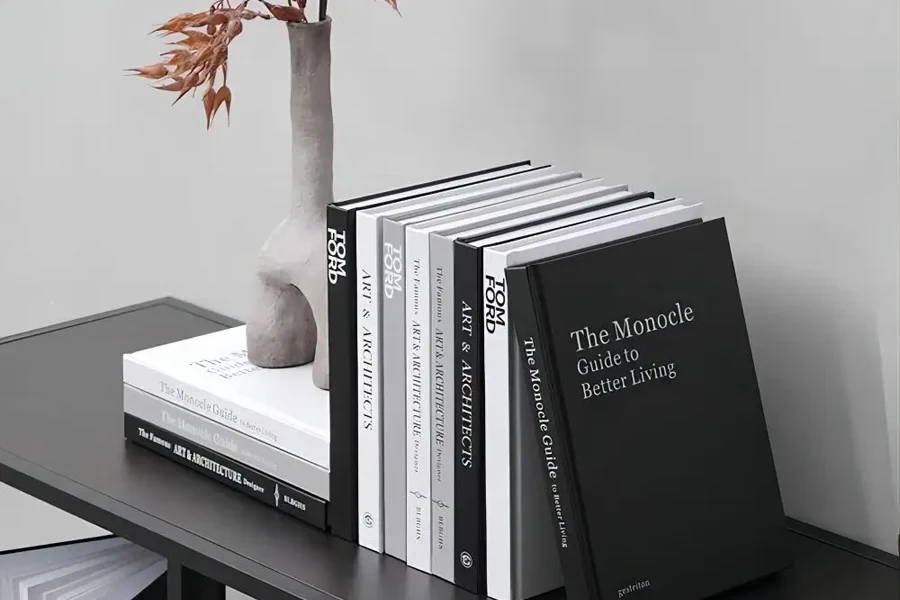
{"x": 108, "y": 196}
{"x": 783, "y": 117}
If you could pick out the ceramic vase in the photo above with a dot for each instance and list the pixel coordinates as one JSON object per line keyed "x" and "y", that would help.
{"x": 288, "y": 322}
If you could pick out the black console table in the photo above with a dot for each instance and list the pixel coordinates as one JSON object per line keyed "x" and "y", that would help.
{"x": 61, "y": 441}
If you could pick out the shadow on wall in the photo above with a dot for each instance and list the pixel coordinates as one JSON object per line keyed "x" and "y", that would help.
{"x": 816, "y": 349}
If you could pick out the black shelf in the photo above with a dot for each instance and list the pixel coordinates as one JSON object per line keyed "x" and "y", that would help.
{"x": 61, "y": 441}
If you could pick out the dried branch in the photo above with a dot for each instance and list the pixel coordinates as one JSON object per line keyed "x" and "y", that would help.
{"x": 201, "y": 51}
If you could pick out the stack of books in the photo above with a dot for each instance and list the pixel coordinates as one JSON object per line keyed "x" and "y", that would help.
{"x": 538, "y": 379}
{"x": 108, "y": 567}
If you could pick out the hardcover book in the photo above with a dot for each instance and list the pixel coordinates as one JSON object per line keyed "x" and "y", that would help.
{"x": 238, "y": 476}
{"x": 517, "y": 568}
{"x": 639, "y": 379}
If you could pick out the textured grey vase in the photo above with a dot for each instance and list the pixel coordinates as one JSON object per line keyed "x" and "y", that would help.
{"x": 288, "y": 323}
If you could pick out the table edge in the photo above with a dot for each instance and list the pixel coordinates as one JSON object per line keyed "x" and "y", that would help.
{"x": 162, "y": 301}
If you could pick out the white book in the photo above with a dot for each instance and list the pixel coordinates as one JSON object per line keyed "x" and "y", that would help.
{"x": 211, "y": 376}
{"x": 504, "y": 446}
{"x": 369, "y": 273}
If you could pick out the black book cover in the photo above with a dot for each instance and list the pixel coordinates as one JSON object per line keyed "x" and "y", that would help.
{"x": 469, "y": 531}
{"x": 251, "y": 482}
{"x": 341, "y": 248}
{"x": 341, "y": 259}
{"x": 469, "y": 486}
{"x": 644, "y": 393}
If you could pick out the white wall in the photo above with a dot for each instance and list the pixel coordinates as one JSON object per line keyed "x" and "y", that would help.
{"x": 783, "y": 117}
{"x": 108, "y": 196}
{"x": 780, "y": 115}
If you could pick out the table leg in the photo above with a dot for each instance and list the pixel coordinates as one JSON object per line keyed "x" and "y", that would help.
{"x": 185, "y": 584}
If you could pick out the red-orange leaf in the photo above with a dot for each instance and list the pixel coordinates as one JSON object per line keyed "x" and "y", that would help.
{"x": 176, "y": 23}
{"x": 177, "y": 54}
{"x": 234, "y": 28}
{"x": 157, "y": 71}
{"x": 189, "y": 82}
{"x": 193, "y": 38}
{"x": 249, "y": 15}
{"x": 290, "y": 14}
{"x": 175, "y": 86}
{"x": 209, "y": 99}
{"x": 217, "y": 19}
{"x": 223, "y": 96}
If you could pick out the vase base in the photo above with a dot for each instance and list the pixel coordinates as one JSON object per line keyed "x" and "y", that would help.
{"x": 282, "y": 330}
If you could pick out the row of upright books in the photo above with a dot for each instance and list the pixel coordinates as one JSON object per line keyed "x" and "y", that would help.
{"x": 521, "y": 357}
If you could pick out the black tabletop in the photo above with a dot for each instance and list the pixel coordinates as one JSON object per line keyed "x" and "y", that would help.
{"x": 61, "y": 441}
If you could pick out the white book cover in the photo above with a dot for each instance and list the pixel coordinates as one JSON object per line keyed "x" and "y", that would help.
{"x": 370, "y": 446}
{"x": 502, "y": 579}
{"x": 210, "y": 375}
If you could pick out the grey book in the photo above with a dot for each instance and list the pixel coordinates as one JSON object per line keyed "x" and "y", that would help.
{"x": 242, "y": 448}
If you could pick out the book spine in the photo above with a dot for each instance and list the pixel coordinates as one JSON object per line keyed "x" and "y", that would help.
{"x": 443, "y": 403}
{"x": 368, "y": 354}
{"x": 498, "y": 479}
{"x": 341, "y": 253}
{"x": 468, "y": 435}
{"x": 393, "y": 358}
{"x": 418, "y": 407}
{"x": 224, "y": 411}
{"x": 287, "y": 499}
{"x": 235, "y": 445}
{"x": 550, "y": 428}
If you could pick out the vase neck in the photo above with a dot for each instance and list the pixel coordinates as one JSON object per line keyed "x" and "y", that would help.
{"x": 312, "y": 122}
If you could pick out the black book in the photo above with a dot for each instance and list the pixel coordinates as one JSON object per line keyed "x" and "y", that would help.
{"x": 644, "y": 397}
{"x": 342, "y": 313}
{"x": 468, "y": 383}
{"x": 235, "y": 475}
